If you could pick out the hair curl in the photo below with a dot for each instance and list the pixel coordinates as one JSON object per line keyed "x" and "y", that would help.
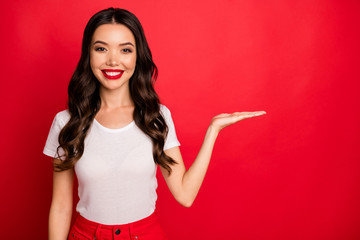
{"x": 84, "y": 100}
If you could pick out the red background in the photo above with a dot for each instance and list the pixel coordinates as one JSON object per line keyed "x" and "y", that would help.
{"x": 291, "y": 174}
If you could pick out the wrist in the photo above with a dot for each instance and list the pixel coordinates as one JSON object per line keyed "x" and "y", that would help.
{"x": 213, "y": 130}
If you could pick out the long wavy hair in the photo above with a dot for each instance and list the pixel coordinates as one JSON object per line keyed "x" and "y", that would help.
{"x": 84, "y": 99}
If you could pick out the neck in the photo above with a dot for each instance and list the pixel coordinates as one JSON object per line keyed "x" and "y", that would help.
{"x": 111, "y": 99}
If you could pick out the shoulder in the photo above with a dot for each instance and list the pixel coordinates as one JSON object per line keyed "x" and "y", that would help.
{"x": 164, "y": 110}
{"x": 62, "y": 117}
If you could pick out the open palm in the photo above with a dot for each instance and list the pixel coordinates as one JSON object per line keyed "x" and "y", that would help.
{"x": 226, "y": 119}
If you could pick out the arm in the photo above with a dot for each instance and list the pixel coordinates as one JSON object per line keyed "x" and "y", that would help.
{"x": 61, "y": 204}
{"x": 185, "y": 184}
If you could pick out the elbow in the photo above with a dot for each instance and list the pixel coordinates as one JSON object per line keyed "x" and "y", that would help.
{"x": 63, "y": 206}
{"x": 186, "y": 202}
{"x": 185, "y": 198}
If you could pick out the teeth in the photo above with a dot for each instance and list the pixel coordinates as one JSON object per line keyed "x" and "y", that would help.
{"x": 112, "y": 73}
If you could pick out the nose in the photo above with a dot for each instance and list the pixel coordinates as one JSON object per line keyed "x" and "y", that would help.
{"x": 113, "y": 58}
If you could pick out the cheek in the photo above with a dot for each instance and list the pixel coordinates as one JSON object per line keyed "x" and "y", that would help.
{"x": 95, "y": 63}
{"x": 92, "y": 62}
{"x": 130, "y": 62}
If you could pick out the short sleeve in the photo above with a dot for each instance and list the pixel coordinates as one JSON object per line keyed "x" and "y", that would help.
{"x": 52, "y": 141}
{"x": 171, "y": 140}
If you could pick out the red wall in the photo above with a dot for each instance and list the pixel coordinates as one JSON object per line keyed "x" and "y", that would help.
{"x": 291, "y": 174}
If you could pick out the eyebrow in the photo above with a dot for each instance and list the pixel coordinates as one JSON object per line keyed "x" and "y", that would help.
{"x": 121, "y": 44}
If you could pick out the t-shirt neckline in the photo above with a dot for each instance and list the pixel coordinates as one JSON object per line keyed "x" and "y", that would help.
{"x": 115, "y": 129}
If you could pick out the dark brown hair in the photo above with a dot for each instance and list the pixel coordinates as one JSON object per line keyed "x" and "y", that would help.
{"x": 84, "y": 100}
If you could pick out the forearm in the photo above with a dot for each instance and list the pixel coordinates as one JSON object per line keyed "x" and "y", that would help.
{"x": 195, "y": 175}
{"x": 185, "y": 184}
{"x": 59, "y": 223}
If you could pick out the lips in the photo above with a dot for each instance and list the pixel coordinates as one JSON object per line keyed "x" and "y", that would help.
{"x": 112, "y": 73}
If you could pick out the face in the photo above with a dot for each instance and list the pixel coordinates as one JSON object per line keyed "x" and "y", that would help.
{"x": 113, "y": 55}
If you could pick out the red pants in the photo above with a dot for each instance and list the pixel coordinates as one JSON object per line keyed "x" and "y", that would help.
{"x": 145, "y": 229}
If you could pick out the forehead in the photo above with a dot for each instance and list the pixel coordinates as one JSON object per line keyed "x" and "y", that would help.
{"x": 113, "y": 34}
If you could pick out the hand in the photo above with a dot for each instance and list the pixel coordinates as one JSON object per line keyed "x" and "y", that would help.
{"x": 226, "y": 119}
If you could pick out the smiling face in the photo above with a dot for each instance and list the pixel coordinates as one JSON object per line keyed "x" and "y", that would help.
{"x": 113, "y": 55}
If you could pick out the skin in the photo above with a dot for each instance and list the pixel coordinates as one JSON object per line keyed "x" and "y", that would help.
{"x": 61, "y": 205}
{"x": 117, "y": 50}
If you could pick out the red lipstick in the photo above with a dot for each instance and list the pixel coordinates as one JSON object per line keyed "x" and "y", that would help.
{"x": 112, "y": 73}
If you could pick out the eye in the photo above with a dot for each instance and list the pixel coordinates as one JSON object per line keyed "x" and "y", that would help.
{"x": 127, "y": 50}
{"x": 100, "y": 49}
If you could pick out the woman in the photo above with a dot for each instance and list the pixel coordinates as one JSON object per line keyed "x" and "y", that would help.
{"x": 114, "y": 135}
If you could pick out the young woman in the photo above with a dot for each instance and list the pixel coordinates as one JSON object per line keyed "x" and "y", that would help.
{"x": 114, "y": 135}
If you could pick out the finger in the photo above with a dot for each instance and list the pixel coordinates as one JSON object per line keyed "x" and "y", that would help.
{"x": 259, "y": 113}
{"x": 245, "y": 115}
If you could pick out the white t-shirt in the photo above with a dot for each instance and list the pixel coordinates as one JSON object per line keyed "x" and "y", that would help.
{"x": 117, "y": 172}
